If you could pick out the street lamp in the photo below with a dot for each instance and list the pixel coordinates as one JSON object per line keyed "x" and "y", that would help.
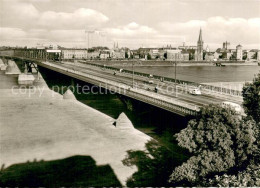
{"x": 132, "y": 74}
{"x": 175, "y": 74}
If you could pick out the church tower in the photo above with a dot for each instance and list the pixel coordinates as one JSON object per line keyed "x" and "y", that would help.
{"x": 199, "y": 54}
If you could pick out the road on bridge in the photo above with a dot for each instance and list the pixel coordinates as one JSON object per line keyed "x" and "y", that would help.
{"x": 167, "y": 89}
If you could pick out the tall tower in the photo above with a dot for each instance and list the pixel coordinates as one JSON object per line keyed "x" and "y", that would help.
{"x": 239, "y": 52}
{"x": 199, "y": 55}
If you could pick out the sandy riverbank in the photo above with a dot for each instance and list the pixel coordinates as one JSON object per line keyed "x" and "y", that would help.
{"x": 41, "y": 125}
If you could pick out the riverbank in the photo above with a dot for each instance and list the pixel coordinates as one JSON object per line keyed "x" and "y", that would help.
{"x": 38, "y": 124}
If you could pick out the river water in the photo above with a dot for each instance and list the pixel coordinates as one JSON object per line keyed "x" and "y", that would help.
{"x": 202, "y": 74}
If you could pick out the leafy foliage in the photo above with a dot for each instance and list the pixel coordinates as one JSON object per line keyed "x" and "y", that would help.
{"x": 251, "y": 96}
{"x": 126, "y": 55}
{"x": 154, "y": 165}
{"x": 247, "y": 178}
{"x": 244, "y": 56}
{"x": 219, "y": 140}
{"x": 149, "y": 57}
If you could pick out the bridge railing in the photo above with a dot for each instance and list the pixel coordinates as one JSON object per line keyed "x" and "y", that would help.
{"x": 137, "y": 93}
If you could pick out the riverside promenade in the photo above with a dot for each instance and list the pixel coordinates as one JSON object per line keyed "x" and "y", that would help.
{"x": 37, "y": 124}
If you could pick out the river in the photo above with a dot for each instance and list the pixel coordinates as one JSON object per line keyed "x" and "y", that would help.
{"x": 202, "y": 74}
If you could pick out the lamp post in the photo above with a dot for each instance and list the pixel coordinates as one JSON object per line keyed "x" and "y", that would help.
{"x": 175, "y": 75}
{"x": 132, "y": 74}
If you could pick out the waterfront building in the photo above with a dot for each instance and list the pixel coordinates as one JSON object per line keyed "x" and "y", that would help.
{"x": 173, "y": 55}
{"x": 74, "y": 54}
{"x": 154, "y": 53}
{"x": 199, "y": 51}
{"x": 117, "y": 54}
{"x": 209, "y": 56}
{"x": 239, "y": 52}
{"x": 93, "y": 55}
{"x": 216, "y": 55}
{"x": 229, "y": 55}
{"x": 252, "y": 54}
{"x": 104, "y": 54}
{"x": 185, "y": 56}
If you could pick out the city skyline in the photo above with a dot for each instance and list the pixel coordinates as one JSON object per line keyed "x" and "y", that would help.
{"x": 139, "y": 23}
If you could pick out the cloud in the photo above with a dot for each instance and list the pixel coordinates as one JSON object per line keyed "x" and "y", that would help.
{"x": 131, "y": 30}
{"x": 18, "y": 14}
{"x": 11, "y": 33}
{"x": 26, "y": 16}
{"x": 79, "y": 19}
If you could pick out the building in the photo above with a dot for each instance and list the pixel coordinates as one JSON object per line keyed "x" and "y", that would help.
{"x": 93, "y": 55}
{"x": 209, "y": 56}
{"x": 104, "y": 54}
{"x": 174, "y": 55}
{"x": 239, "y": 52}
{"x": 199, "y": 51}
{"x": 185, "y": 56}
{"x": 74, "y": 54}
{"x": 117, "y": 54}
{"x": 226, "y": 45}
{"x": 154, "y": 53}
{"x": 216, "y": 55}
{"x": 252, "y": 54}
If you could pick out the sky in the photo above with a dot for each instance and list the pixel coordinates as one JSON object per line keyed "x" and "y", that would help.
{"x": 130, "y": 23}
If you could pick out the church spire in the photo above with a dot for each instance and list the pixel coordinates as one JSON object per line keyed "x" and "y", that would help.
{"x": 200, "y": 36}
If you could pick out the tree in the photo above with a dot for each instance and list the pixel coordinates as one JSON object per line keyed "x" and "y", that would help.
{"x": 251, "y": 96}
{"x": 244, "y": 56}
{"x": 149, "y": 57}
{"x": 165, "y": 55}
{"x": 219, "y": 141}
{"x": 247, "y": 178}
{"x": 191, "y": 56}
{"x": 204, "y": 54}
{"x": 254, "y": 56}
{"x": 126, "y": 55}
{"x": 224, "y": 55}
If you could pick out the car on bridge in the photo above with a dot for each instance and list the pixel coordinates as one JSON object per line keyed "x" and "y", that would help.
{"x": 150, "y": 82}
{"x": 195, "y": 91}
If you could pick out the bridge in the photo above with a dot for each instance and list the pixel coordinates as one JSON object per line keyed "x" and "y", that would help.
{"x": 135, "y": 86}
